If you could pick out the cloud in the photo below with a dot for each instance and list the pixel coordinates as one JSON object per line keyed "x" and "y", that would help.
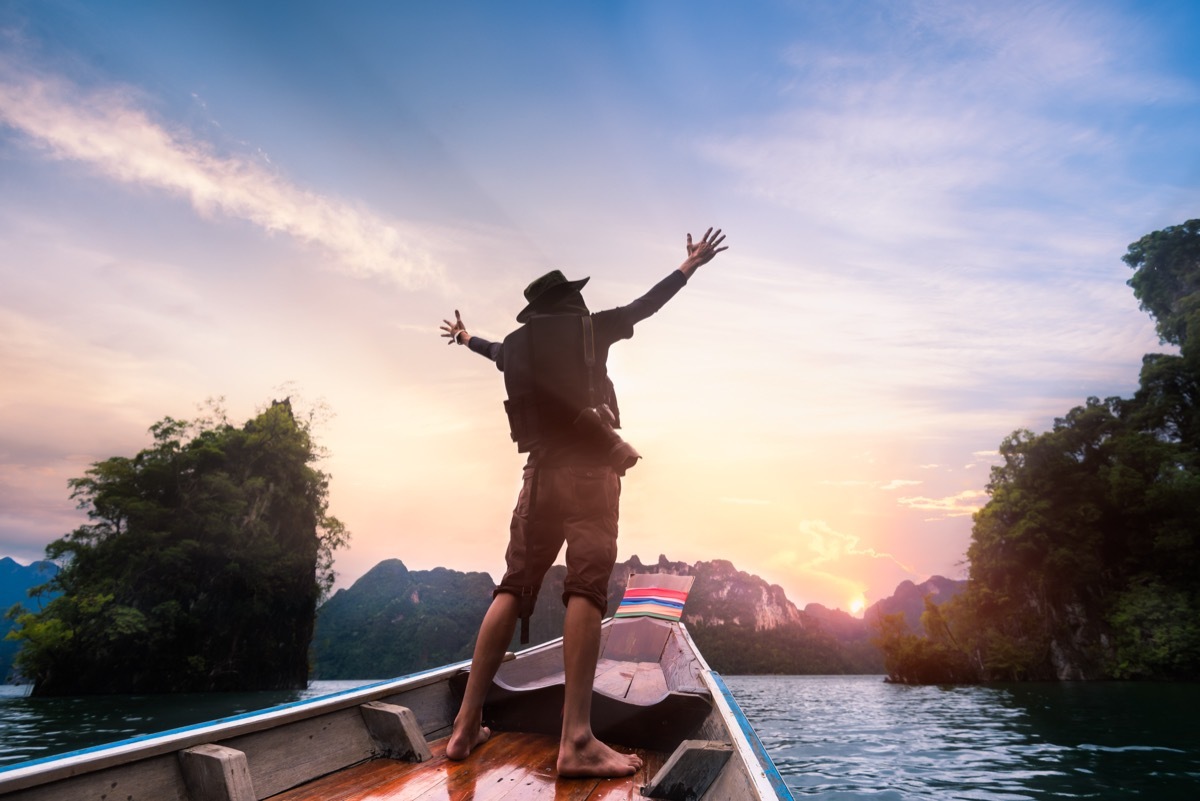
{"x": 963, "y": 504}
{"x": 897, "y": 483}
{"x": 826, "y": 545}
{"x": 108, "y": 130}
{"x": 952, "y": 123}
{"x": 826, "y": 562}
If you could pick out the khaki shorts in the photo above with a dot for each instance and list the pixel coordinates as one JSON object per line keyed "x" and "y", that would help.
{"x": 575, "y": 505}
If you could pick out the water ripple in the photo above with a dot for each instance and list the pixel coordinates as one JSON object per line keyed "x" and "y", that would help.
{"x": 841, "y": 737}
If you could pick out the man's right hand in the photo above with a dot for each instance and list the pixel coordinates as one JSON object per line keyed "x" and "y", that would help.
{"x": 456, "y": 331}
{"x": 702, "y": 252}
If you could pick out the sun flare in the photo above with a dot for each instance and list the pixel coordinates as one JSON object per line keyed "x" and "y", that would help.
{"x": 858, "y": 605}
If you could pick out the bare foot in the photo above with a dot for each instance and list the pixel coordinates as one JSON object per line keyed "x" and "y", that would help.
{"x": 593, "y": 758}
{"x": 465, "y": 738}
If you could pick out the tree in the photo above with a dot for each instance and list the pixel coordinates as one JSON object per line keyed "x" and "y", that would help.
{"x": 201, "y": 568}
{"x": 1167, "y": 279}
{"x": 1083, "y": 561}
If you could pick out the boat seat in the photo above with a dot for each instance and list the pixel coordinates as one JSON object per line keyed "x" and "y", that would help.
{"x": 644, "y": 680}
{"x": 647, "y": 687}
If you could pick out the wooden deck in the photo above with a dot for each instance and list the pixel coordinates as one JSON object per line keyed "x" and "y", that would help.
{"x": 511, "y": 766}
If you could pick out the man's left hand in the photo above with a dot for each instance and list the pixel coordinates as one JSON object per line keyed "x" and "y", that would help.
{"x": 456, "y": 331}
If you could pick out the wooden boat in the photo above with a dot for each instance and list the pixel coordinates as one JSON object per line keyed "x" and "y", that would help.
{"x": 653, "y": 694}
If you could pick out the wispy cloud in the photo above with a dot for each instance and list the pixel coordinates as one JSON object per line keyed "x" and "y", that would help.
{"x": 825, "y": 545}
{"x": 825, "y": 561}
{"x": 902, "y": 145}
{"x": 109, "y": 130}
{"x": 963, "y": 504}
{"x": 895, "y": 483}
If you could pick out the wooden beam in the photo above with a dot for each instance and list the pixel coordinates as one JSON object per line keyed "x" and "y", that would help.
{"x": 216, "y": 773}
{"x": 395, "y": 731}
{"x": 687, "y": 775}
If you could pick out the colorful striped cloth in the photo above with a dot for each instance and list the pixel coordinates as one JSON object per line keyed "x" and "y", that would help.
{"x": 652, "y": 602}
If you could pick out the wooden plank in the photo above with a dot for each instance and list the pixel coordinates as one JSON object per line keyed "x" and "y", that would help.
{"x": 395, "y": 732}
{"x": 648, "y": 685}
{"x": 660, "y": 726}
{"x": 613, "y": 678}
{"x": 216, "y": 773}
{"x": 282, "y": 758}
{"x": 519, "y": 765}
{"x": 680, "y": 665}
{"x": 492, "y": 769}
{"x": 630, "y": 788}
{"x": 355, "y": 782}
{"x": 732, "y": 782}
{"x": 533, "y": 670}
{"x": 434, "y": 706}
{"x": 690, "y": 771}
{"x": 510, "y": 766}
{"x": 158, "y": 778}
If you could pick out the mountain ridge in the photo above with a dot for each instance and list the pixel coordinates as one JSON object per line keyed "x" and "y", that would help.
{"x": 15, "y": 582}
{"x": 394, "y": 620}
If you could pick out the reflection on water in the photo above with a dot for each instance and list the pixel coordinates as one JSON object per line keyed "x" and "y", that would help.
{"x": 31, "y": 728}
{"x": 857, "y": 737}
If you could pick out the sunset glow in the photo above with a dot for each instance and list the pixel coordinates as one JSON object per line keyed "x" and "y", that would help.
{"x": 926, "y": 205}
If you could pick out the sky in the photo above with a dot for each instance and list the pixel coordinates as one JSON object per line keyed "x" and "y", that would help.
{"x": 926, "y": 205}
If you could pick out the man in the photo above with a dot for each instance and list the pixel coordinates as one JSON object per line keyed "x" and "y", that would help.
{"x": 562, "y": 410}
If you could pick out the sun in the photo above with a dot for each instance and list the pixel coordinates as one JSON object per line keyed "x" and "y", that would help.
{"x": 858, "y": 605}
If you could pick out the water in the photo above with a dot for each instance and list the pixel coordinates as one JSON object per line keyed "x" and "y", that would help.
{"x": 832, "y": 737}
{"x": 851, "y": 737}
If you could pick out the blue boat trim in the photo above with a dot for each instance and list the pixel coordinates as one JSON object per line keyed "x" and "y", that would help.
{"x": 231, "y": 719}
{"x": 764, "y": 759}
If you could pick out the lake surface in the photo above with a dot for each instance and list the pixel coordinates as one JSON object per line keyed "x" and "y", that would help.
{"x": 832, "y": 737}
{"x": 843, "y": 737}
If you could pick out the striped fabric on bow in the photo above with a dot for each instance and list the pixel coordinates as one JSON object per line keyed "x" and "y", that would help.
{"x": 657, "y": 602}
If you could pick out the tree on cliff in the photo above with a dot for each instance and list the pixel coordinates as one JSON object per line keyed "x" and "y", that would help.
{"x": 1083, "y": 562}
{"x": 201, "y": 568}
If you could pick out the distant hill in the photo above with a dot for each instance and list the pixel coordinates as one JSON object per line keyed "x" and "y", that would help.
{"x": 15, "y": 582}
{"x": 909, "y": 599}
{"x": 394, "y": 621}
{"x": 841, "y": 625}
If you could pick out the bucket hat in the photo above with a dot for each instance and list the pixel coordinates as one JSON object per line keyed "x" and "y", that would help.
{"x": 545, "y": 291}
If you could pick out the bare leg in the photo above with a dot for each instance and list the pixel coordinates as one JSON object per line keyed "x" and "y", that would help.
{"x": 579, "y": 752}
{"x": 495, "y": 633}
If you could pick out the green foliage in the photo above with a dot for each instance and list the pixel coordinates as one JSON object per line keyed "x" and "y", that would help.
{"x": 789, "y": 649}
{"x": 394, "y": 621}
{"x": 935, "y": 658}
{"x": 201, "y": 568}
{"x": 1083, "y": 563}
{"x": 1167, "y": 277}
{"x": 1157, "y": 632}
